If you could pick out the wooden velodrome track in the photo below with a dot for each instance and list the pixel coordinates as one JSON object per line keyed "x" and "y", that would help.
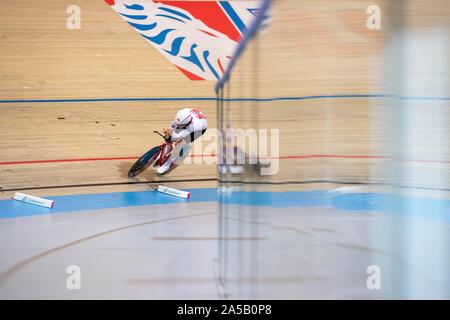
{"x": 72, "y": 143}
{"x": 41, "y": 59}
{"x": 70, "y": 124}
{"x": 69, "y": 143}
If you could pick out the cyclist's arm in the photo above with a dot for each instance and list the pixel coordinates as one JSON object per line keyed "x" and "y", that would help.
{"x": 180, "y": 135}
{"x": 168, "y": 131}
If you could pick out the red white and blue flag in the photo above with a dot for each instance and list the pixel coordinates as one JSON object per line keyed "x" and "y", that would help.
{"x": 198, "y": 37}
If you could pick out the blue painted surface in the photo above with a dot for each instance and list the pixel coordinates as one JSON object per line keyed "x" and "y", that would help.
{"x": 143, "y": 27}
{"x": 234, "y": 16}
{"x": 437, "y": 209}
{"x": 134, "y": 7}
{"x": 278, "y": 199}
{"x": 361, "y": 202}
{"x": 175, "y": 12}
{"x": 71, "y": 203}
{"x": 169, "y": 17}
{"x": 193, "y": 57}
{"x": 205, "y": 56}
{"x": 176, "y": 46}
{"x": 159, "y": 38}
{"x": 135, "y": 17}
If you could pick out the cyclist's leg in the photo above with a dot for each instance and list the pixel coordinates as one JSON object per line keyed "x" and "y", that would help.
{"x": 180, "y": 151}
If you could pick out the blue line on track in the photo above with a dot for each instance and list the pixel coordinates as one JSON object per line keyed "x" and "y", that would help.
{"x": 313, "y": 97}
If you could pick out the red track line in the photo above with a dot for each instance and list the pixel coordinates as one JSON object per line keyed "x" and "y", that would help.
{"x": 362, "y": 157}
{"x": 312, "y": 156}
{"x": 66, "y": 160}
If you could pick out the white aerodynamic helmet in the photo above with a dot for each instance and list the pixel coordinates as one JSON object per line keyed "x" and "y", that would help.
{"x": 183, "y": 117}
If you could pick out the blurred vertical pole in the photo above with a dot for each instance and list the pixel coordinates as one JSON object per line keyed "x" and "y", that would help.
{"x": 394, "y": 236}
{"x": 221, "y": 232}
{"x": 417, "y": 141}
{"x": 254, "y": 232}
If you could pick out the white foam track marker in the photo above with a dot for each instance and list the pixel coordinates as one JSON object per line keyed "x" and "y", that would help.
{"x": 174, "y": 192}
{"x": 34, "y": 200}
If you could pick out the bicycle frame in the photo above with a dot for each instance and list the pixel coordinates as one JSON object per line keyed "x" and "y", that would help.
{"x": 157, "y": 156}
{"x": 165, "y": 151}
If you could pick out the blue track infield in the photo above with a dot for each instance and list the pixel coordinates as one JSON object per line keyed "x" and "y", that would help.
{"x": 363, "y": 202}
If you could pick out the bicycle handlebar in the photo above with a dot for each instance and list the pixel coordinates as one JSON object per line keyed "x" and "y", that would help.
{"x": 164, "y": 137}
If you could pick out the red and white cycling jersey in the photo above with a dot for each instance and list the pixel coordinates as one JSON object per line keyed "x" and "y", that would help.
{"x": 197, "y": 126}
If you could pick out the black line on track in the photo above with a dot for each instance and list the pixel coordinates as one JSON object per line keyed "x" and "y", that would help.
{"x": 106, "y": 184}
{"x": 225, "y": 182}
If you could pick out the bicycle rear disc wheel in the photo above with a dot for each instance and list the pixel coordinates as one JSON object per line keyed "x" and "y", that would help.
{"x": 144, "y": 162}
